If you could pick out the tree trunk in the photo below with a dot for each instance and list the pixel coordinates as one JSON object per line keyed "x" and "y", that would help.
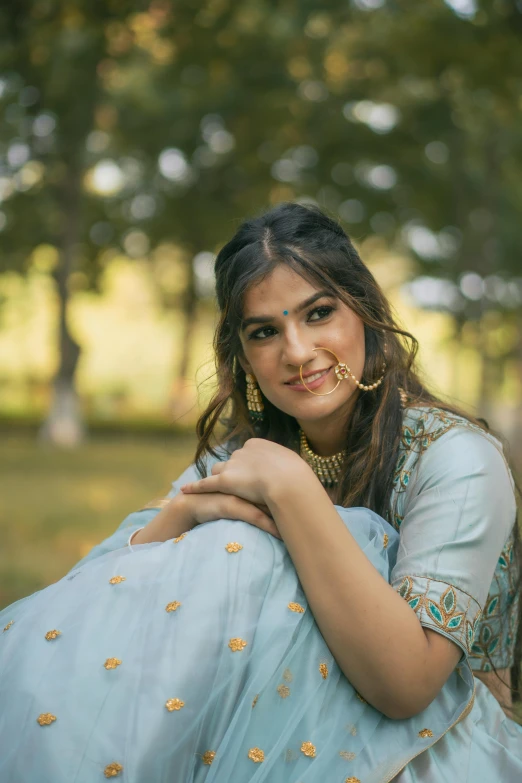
{"x": 182, "y": 392}
{"x": 64, "y": 423}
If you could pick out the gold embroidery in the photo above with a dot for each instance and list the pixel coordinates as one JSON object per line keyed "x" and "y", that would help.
{"x": 283, "y": 691}
{"x": 385, "y": 541}
{"x": 352, "y": 729}
{"x": 425, "y": 733}
{"x": 237, "y": 644}
{"x": 287, "y": 675}
{"x": 172, "y": 606}
{"x": 256, "y": 697}
{"x": 174, "y": 705}
{"x": 112, "y": 663}
{"x": 323, "y": 668}
{"x": 445, "y": 613}
{"x": 233, "y": 547}
{"x": 179, "y": 538}
{"x": 46, "y": 718}
{"x": 352, "y": 780}
{"x": 256, "y": 754}
{"x": 361, "y": 698}
{"x": 7, "y": 627}
{"x": 117, "y": 579}
{"x": 296, "y": 608}
{"x": 52, "y": 635}
{"x": 347, "y": 754}
{"x": 112, "y": 770}
{"x": 208, "y": 757}
{"x": 308, "y": 749}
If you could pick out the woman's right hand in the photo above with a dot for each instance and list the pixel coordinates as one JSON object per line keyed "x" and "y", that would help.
{"x": 211, "y": 506}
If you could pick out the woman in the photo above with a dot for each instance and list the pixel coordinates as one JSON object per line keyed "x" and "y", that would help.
{"x": 360, "y": 562}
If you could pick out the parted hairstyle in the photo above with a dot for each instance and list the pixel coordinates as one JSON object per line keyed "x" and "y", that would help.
{"x": 317, "y": 248}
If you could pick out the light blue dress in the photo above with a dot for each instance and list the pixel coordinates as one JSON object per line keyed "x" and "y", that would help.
{"x": 198, "y": 659}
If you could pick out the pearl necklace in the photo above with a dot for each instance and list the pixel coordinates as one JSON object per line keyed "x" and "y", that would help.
{"x": 327, "y": 469}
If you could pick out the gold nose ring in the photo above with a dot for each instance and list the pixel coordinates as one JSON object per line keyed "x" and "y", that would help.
{"x": 340, "y": 371}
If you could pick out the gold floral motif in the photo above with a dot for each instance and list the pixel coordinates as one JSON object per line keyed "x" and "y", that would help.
{"x": 117, "y": 579}
{"x": 233, "y": 547}
{"x": 425, "y": 733}
{"x": 323, "y": 668}
{"x": 46, "y": 718}
{"x": 112, "y": 770}
{"x": 348, "y": 755}
{"x": 352, "y": 729}
{"x": 256, "y": 754}
{"x": 174, "y": 705}
{"x": 7, "y": 627}
{"x": 283, "y": 691}
{"x": 308, "y": 749}
{"x": 254, "y": 702}
{"x": 296, "y": 607}
{"x": 112, "y": 663}
{"x": 179, "y": 538}
{"x": 361, "y": 698}
{"x": 172, "y": 606}
{"x": 208, "y": 757}
{"x": 385, "y": 541}
{"x": 54, "y": 634}
{"x": 352, "y": 780}
{"x": 237, "y": 644}
{"x": 287, "y": 675}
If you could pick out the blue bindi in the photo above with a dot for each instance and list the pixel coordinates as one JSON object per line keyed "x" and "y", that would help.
{"x": 285, "y": 312}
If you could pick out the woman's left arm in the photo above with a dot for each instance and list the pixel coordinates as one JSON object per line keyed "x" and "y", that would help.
{"x": 460, "y": 512}
{"x": 454, "y": 530}
{"x": 376, "y": 639}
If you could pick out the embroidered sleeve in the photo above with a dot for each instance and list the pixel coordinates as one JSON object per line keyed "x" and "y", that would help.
{"x": 495, "y": 638}
{"x": 457, "y": 516}
{"x": 442, "y": 607}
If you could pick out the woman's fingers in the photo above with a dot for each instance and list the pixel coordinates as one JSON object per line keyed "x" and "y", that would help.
{"x": 209, "y": 484}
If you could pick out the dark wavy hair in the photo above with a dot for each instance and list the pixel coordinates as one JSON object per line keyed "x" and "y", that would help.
{"x": 317, "y": 248}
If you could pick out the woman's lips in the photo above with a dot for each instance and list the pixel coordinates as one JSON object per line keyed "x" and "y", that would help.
{"x": 311, "y": 385}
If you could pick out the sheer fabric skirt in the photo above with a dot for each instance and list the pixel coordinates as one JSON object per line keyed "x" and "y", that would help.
{"x": 199, "y": 660}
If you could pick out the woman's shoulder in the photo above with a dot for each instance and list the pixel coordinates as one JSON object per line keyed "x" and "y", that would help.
{"x": 450, "y": 440}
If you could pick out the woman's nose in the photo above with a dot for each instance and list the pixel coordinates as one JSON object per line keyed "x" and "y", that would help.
{"x": 298, "y": 352}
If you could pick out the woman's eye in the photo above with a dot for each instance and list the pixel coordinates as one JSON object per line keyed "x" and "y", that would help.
{"x": 323, "y": 311}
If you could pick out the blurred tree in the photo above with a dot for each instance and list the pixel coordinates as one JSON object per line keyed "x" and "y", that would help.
{"x": 156, "y": 126}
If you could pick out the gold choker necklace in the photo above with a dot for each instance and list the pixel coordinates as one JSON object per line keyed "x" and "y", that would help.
{"x": 327, "y": 469}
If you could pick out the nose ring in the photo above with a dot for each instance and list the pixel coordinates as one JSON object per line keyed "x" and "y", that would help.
{"x": 340, "y": 370}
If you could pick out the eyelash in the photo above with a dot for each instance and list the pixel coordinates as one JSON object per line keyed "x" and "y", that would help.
{"x": 254, "y": 335}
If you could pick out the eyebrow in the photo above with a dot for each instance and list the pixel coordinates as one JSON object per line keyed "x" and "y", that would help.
{"x": 263, "y": 319}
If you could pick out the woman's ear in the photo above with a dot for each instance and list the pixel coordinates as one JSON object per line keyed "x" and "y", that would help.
{"x": 244, "y": 364}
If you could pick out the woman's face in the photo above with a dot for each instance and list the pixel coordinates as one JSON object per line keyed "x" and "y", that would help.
{"x": 285, "y": 337}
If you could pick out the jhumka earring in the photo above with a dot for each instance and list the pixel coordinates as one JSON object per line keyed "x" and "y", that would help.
{"x": 254, "y": 400}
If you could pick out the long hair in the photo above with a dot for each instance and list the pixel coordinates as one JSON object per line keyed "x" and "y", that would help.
{"x": 317, "y": 248}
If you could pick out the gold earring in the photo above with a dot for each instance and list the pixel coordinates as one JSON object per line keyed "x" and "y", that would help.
{"x": 254, "y": 400}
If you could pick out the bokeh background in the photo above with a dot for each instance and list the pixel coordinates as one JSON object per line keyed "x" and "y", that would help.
{"x": 134, "y": 138}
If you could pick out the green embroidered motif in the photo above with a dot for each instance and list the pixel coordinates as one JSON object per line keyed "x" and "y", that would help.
{"x": 405, "y": 591}
{"x": 445, "y": 612}
{"x": 422, "y": 426}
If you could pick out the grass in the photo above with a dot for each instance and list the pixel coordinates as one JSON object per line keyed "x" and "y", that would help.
{"x": 56, "y": 505}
